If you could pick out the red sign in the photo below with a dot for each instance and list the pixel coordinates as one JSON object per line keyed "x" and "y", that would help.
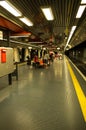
{"x": 3, "y": 55}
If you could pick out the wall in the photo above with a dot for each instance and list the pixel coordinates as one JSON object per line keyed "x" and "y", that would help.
{"x": 6, "y": 67}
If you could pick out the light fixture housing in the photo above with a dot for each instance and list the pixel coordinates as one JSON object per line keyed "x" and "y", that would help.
{"x": 80, "y": 11}
{"x": 26, "y": 21}
{"x": 48, "y": 13}
{"x": 9, "y": 7}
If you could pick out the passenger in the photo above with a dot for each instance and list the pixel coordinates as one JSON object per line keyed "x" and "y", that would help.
{"x": 41, "y": 61}
{"x": 51, "y": 57}
{"x": 36, "y": 61}
{"x": 35, "y": 58}
{"x": 46, "y": 58}
{"x": 28, "y": 60}
{"x": 41, "y": 64}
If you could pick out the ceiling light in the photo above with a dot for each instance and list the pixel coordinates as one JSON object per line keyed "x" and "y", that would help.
{"x": 58, "y": 48}
{"x": 44, "y": 48}
{"x": 48, "y": 13}
{"x": 30, "y": 47}
{"x": 83, "y": 2}
{"x": 70, "y": 35}
{"x": 9, "y": 7}
{"x": 80, "y": 11}
{"x": 26, "y": 21}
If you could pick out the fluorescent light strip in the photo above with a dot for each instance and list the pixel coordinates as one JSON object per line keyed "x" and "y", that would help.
{"x": 19, "y": 36}
{"x": 26, "y": 21}
{"x": 80, "y": 11}
{"x": 70, "y": 35}
{"x": 83, "y": 2}
{"x": 9, "y": 7}
{"x": 48, "y": 13}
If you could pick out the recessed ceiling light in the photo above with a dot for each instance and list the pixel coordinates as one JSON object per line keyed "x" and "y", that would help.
{"x": 48, "y": 13}
{"x": 70, "y": 35}
{"x": 80, "y": 11}
{"x": 58, "y": 48}
{"x": 83, "y": 2}
{"x": 30, "y": 47}
{"x": 26, "y": 21}
{"x": 9, "y": 7}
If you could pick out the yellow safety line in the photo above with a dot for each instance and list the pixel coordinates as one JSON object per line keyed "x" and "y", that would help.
{"x": 79, "y": 92}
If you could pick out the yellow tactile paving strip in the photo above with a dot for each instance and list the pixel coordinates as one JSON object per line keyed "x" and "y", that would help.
{"x": 79, "y": 92}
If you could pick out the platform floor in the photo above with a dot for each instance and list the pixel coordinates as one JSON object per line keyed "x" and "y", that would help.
{"x": 42, "y": 99}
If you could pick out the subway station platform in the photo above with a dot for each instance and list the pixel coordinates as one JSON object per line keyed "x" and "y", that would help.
{"x": 53, "y": 98}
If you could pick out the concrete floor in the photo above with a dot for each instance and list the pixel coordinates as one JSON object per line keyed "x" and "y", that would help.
{"x": 42, "y": 99}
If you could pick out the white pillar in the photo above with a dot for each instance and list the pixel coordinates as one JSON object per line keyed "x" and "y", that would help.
{"x": 26, "y": 54}
{"x": 42, "y": 53}
{"x": 16, "y": 55}
{"x": 39, "y": 53}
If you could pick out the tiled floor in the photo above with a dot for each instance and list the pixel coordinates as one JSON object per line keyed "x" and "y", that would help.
{"x": 42, "y": 99}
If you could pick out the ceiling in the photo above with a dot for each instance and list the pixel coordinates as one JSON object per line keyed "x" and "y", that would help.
{"x": 49, "y": 34}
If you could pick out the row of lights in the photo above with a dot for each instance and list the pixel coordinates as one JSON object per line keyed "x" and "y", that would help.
{"x": 78, "y": 15}
{"x": 47, "y": 12}
{"x": 14, "y": 11}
